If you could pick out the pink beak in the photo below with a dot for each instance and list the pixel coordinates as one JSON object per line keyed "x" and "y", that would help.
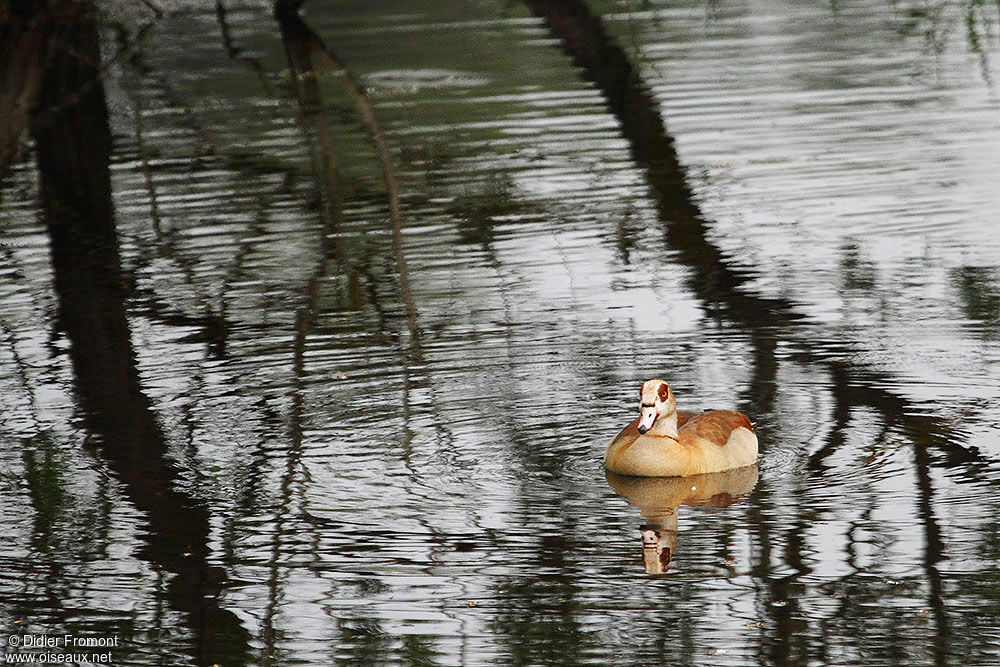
{"x": 646, "y": 418}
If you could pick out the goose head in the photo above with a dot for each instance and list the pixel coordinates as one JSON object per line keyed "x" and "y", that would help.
{"x": 657, "y": 548}
{"x": 656, "y": 400}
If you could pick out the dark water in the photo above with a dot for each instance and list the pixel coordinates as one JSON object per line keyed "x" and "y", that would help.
{"x": 261, "y": 446}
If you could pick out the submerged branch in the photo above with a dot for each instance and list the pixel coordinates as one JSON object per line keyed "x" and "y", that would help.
{"x": 296, "y": 31}
{"x": 73, "y": 142}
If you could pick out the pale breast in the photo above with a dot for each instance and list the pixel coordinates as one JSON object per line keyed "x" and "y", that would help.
{"x": 707, "y": 442}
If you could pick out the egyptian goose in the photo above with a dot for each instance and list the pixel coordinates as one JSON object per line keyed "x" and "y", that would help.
{"x": 665, "y": 443}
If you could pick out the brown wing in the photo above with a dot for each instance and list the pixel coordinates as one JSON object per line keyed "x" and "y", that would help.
{"x": 716, "y": 425}
{"x": 683, "y": 416}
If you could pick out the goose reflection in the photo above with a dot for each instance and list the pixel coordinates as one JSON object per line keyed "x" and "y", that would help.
{"x": 658, "y": 499}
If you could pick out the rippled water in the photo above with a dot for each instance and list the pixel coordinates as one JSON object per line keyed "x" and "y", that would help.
{"x": 307, "y": 473}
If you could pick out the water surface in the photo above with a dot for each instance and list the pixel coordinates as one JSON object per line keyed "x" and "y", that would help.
{"x": 782, "y": 208}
